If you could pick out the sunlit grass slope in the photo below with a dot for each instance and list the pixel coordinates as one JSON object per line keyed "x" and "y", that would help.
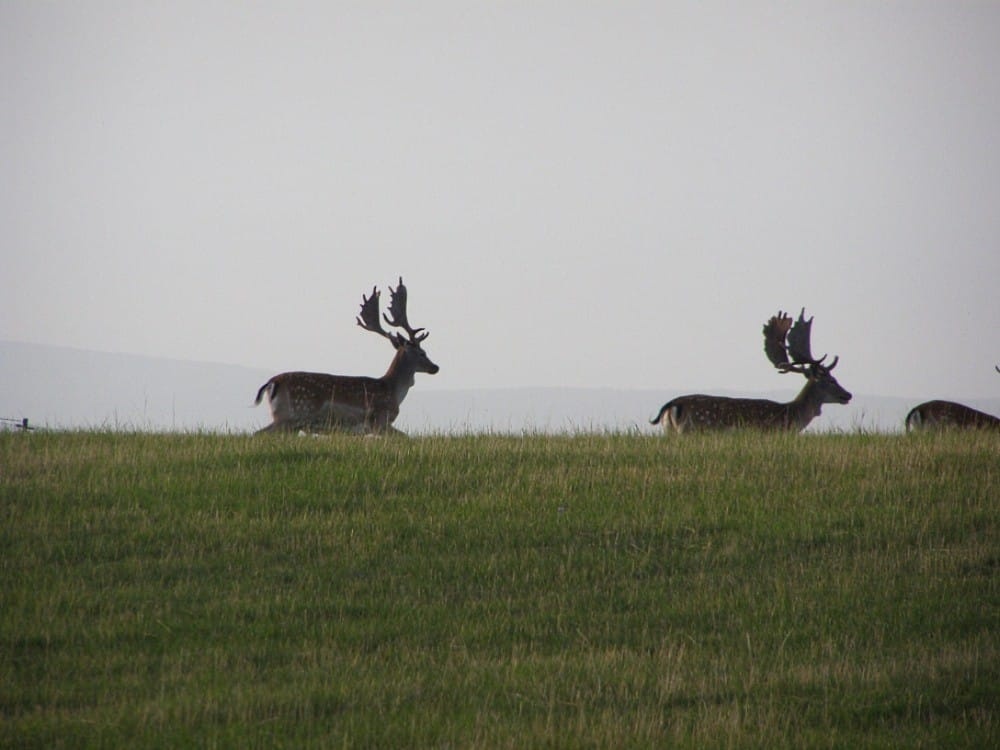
{"x": 485, "y": 591}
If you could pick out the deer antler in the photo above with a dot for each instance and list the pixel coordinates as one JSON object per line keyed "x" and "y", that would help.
{"x": 795, "y": 355}
{"x": 775, "y": 331}
{"x": 368, "y": 318}
{"x": 397, "y": 308}
{"x": 798, "y": 341}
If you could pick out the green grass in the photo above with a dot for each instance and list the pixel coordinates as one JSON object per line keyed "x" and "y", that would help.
{"x": 487, "y": 591}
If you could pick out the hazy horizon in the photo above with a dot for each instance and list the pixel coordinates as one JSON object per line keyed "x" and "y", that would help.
{"x": 64, "y": 388}
{"x": 782, "y": 383}
{"x": 577, "y": 194}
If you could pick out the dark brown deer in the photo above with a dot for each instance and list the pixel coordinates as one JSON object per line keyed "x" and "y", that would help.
{"x": 319, "y": 402}
{"x": 939, "y": 415}
{"x": 787, "y": 347}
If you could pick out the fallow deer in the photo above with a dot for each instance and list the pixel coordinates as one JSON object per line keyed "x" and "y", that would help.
{"x": 937, "y": 415}
{"x": 787, "y": 347}
{"x": 320, "y": 402}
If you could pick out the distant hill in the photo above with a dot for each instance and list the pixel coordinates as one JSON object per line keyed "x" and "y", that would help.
{"x": 71, "y": 389}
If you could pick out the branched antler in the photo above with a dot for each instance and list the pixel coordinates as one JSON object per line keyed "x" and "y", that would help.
{"x": 798, "y": 341}
{"x": 788, "y": 346}
{"x": 397, "y": 308}
{"x": 369, "y": 316}
{"x": 775, "y": 331}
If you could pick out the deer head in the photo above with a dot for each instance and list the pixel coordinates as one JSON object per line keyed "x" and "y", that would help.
{"x": 409, "y": 346}
{"x": 788, "y": 347}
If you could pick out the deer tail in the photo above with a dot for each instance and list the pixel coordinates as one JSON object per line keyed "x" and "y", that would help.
{"x": 268, "y": 387}
{"x": 659, "y": 416}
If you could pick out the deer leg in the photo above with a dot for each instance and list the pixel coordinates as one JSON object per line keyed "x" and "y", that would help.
{"x": 279, "y": 426}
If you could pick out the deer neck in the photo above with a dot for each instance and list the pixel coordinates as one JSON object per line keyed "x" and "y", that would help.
{"x": 400, "y": 376}
{"x": 807, "y": 405}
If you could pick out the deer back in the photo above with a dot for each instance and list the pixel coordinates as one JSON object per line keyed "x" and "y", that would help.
{"x": 932, "y": 415}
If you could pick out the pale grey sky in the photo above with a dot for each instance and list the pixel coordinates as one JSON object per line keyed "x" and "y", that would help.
{"x": 580, "y": 194}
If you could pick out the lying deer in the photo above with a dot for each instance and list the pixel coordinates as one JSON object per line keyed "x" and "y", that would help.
{"x": 932, "y": 415}
{"x": 320, "y": 402}
{"x": 787, "y": 347}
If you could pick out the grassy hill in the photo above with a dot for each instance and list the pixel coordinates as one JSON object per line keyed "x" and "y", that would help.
{"x": 494, "y": 591}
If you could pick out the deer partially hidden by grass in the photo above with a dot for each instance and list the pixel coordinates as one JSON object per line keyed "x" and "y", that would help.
{"x": 787, "y": 347}
{"x": 938, "y": 415}
{"x": 319, "y": 402}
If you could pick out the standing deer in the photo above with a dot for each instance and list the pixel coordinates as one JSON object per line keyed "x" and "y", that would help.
{"x": 317, "y": 401}
{"x": 936, "y": 415}
{"x": 787, "y": 347}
